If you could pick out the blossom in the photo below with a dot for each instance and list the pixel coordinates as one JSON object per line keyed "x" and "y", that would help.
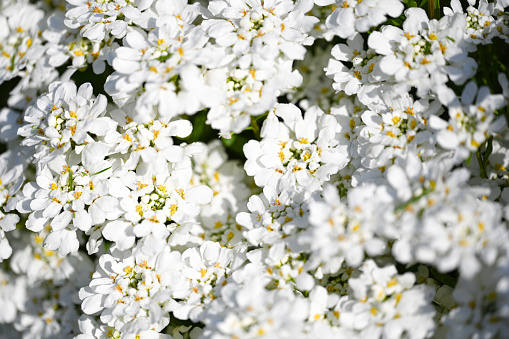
{"x": 300, "y": 151}
{"x": 350, "y": 16}
{"x": 62, "y": 116}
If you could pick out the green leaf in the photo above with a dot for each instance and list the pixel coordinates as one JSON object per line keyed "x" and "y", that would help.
{"x": 443, "y": 278}
{"x": 469, "y": 158}
{"x": 164, "y": 57}
{"x": 71, "y": 181}
{"x": 101, "y": 171}
{"x": 487, "y": 153}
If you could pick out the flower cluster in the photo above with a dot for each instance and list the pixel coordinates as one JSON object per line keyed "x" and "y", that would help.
{"x": 254, "y": 169}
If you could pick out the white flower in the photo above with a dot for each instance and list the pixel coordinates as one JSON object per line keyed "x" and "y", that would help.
{"x": 154, "y": 205}
{"x": 425, "y": 53}
{"x": 61, "y": 198}
{"x": 63, "y": 116}
{"x": 11, "y": 180}
{"x": 352, "y": 16}
{"x": 275, "y": 215}
{"x": 149, "y": 142}
{"x": 251, "y": 311}
{"x": 480, "y": 303}
{"x": 301, "y": 151}
{"x": 340, "y": 232}
{"x": 259, "y": 31}
{"x": 130, "y": 289}
{"x": 19, "y": 40}
{"x": 97, "y": 19}
{"x": 470, "y": 123}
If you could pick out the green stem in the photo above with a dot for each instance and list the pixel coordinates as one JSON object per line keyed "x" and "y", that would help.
{"x": 256, "y": 128}
{"x": 71, "y": 181}
{"x": 101, "y": 171}
{"x": 431, "y": 8}
{"x": 481, "y": 165}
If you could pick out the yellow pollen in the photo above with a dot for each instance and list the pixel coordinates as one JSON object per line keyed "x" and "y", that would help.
{"x": 77, "y": 195}
{"x": 374, "y": 311}
{"x": 53, "y": 186}
{"x": 432, "y": 36}
{"x": 29, "y": 42}
{"x": 203, "y": 272}
{"x": 156, "y": 134}
{"x": 173, "y": 209}
{"x": 181, "y": 51}
{"x": 497, "y": 167}
{"x": 345, "y": 5}
{"x": 432, "y": 184}
{"x": 304, "y": 141}
{"x": 317, "y": 316}
{"x": 78, "y": 52}
{"x": 140, "y": 185}
{"x": 391, "y": 134}
{"x": 160, "y": 41}
{"x": 395, "y": 120}
{"x": 409, "y": 36}
{"x": 152, "y": 69}
{"x": 230, "y": 236}
{"x": 357, "y": 74}
{"x": 443, "y": 48}
{"x": 281, "y": 156}
{"x": 20, "y": 30}
{"x": 139, "y": 210}
{"x": 392, "y": 282}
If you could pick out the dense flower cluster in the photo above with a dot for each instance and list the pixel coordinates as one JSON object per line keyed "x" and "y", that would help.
{"x": 254, "y": 169}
